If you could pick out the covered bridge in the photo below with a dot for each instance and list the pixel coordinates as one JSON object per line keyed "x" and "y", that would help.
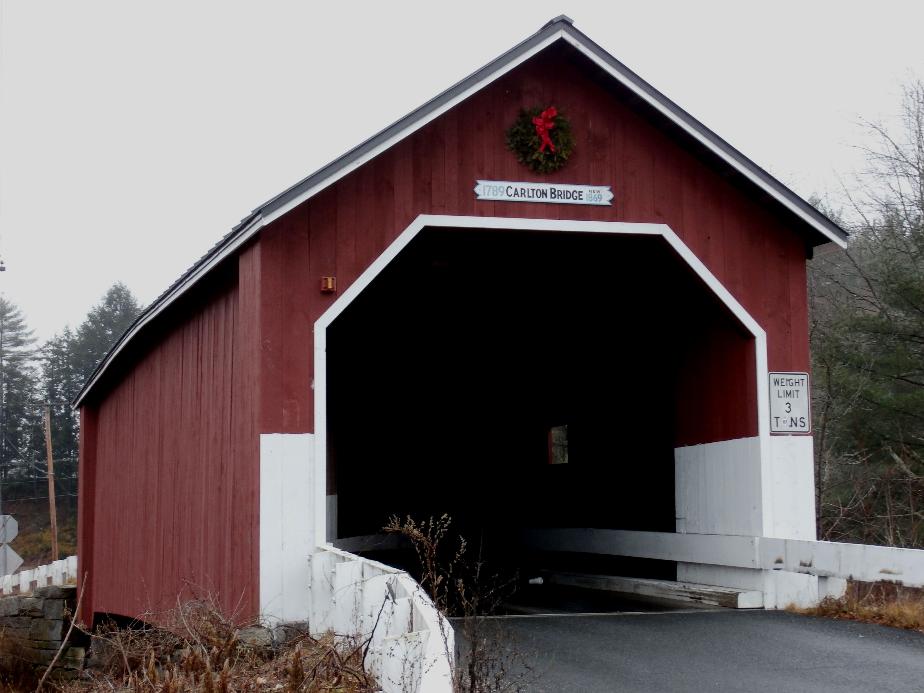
{"x": 561, "y": 346}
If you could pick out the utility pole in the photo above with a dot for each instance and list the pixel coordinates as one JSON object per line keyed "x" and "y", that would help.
{"x": 52, "y": 510}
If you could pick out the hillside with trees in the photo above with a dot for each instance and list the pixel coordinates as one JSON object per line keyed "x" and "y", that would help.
{"x": 868, "y": 349}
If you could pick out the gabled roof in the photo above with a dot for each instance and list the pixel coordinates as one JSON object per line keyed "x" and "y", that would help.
{"x": 559, "y": 29}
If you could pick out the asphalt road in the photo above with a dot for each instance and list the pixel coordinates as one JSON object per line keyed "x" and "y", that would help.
{"x": 728, "y": 651}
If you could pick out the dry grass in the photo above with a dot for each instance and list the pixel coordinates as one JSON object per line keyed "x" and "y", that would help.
{"x": 33, "y": 542}
{"x": 198, "y": 649}
{"x": 884, "y": 603}
{"x": 303, "y": 664}
{"x": 16, "y": 672}
{"x": 35, "y": 547}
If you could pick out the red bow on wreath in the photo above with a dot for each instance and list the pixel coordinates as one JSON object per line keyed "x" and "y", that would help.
{"x": 544, "y": 122}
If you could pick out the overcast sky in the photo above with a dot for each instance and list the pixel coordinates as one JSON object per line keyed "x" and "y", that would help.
{"x": 133, "y": 135}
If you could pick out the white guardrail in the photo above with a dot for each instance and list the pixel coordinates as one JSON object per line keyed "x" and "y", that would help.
{"x": 862, "y": 562}
{"x": 411, "y": 645}
{"x": 61, "y": 572}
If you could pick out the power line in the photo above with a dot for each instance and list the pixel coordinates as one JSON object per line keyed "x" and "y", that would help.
{"x": 38, "y": 403}
{"x": 59, "y": 495}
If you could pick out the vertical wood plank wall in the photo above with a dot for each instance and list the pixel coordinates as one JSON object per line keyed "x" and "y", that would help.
{"x": 169, "y": 504}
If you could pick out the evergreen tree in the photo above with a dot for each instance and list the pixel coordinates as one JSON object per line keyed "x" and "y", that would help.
{"x": 104, "y": 324}
{"x": 20, "y": 420}
{"x": 61, "y": 381}
{"x": 70, "y": 357}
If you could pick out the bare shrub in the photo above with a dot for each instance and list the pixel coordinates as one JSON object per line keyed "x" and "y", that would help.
{"x": 467, "y": 591}
{"x": 439, "y": 563}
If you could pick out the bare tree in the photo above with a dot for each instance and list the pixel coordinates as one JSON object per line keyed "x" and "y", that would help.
{"x": 868, "y": 348}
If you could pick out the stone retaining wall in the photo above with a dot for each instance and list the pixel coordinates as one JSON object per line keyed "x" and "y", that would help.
{"x": 32, "y": 628}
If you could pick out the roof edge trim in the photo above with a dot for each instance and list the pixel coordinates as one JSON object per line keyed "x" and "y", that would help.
{"x": 246, "y": 231}
{"x": 559, "y": 28}
{"x": 713, "y": 142}
{"x": 349, "y": 162}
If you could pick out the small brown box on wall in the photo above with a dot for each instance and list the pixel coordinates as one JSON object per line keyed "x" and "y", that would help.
{"x": 328, "y": 285}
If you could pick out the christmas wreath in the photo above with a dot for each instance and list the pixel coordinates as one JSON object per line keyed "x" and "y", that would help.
{"x": 541, "y": 139}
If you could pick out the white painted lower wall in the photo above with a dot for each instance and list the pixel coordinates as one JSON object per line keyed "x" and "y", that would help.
{"x": 742, "y": 486}
{"x": 286, "y": 527}
{"x": 717, "y": 487}
{"x": 791, "y": 488}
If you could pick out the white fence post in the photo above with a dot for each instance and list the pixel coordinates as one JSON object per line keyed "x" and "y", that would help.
{"x": 54, "y": 573}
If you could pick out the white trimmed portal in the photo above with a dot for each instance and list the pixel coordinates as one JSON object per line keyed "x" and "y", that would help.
{"x": 761, "y": 486}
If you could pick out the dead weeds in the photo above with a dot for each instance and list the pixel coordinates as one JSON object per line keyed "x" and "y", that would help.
{"x": 882, "y": 603}
{"x": 198, "y": 649}
{"x": 302, "y": 664}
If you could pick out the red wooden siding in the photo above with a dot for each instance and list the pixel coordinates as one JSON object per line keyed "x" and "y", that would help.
{"x": 175, "y": 473}
{"x": 286, "y": 283}
{"x": 743, "y": 241}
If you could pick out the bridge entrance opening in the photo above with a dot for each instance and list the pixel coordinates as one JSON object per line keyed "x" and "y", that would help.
{"x": 517, "y": 380}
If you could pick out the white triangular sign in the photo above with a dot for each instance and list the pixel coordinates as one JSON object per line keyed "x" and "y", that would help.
{"x": 9, "y": 560}
{"x": 9, "y": 528}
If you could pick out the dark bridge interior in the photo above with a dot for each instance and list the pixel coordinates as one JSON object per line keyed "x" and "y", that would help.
{"x": 472, "y": 366}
